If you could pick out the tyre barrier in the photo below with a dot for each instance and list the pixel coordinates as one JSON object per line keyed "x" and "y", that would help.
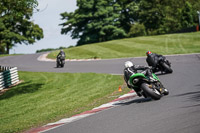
{"x": 8, "y": 76}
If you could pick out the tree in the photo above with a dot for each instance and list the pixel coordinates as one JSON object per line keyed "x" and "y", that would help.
{"x": 137, "y": 30}
{"x": 187, "y": 19}
{"x": 152, "y": 14}
{"x": 128, "y": 13}
{"x": 94, "y": 21}
{"x": 103, "y": 20}
{"x": 15, "y": 23}
{"x": 167, "y": 16}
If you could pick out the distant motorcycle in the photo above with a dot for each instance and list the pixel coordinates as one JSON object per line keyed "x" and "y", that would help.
{"x": 60, "y": 61}
{"x": 144, "y": 86}
{"x": 163, "y": 65}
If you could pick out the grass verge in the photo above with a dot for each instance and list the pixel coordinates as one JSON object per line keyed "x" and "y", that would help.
{"x": 3, "y": 55}
{"x": 47, "y": 97}
{"x": 134, "y": 47}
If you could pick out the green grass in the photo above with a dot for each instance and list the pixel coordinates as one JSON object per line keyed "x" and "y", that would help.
{"x": 48, "y": 97}
{"x": 134, "y": 47}
{"x": 3, "y": 55}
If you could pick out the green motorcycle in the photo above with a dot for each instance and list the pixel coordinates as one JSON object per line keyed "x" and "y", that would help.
{"x": 147, "y": 87}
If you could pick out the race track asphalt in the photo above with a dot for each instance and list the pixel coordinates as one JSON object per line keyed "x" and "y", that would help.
{"x": 179, "y": 112}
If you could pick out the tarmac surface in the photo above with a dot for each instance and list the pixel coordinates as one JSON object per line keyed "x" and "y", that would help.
{"x": 179, "y": 112}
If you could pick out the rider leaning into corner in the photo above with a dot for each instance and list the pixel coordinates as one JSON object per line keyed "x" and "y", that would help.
{"x": 60, "y": 54}
{"x": 131, "y": 69}
{"x": 153, "y": 58}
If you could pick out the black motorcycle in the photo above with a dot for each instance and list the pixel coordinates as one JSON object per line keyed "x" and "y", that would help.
{"x": 60, "y": 61}
{"x": 163, "y": 65}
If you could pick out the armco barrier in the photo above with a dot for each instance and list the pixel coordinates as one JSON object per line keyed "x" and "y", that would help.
{"x": 8, "y": 76}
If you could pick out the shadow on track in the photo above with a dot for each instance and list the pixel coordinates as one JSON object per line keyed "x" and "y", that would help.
{"x": 139, "y": 100}
{"x": 162, "y": 74}
{"x": 195, "y": 95}
{"x": 191, "y": 96}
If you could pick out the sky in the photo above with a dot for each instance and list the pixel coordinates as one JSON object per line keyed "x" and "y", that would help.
{"x": 48, "y": 18}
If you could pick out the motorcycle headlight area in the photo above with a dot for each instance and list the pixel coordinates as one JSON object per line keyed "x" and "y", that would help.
{"x": 135, "y": 81}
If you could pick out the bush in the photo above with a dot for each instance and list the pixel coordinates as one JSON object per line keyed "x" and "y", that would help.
{"x": 137, "y": 30}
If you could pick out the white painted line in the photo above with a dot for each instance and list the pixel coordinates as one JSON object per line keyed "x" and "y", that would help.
{"x": 71, "y": 119}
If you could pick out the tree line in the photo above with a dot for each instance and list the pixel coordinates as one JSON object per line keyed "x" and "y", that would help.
{"x": 103, "y": 20}
{"x": 98, "y": 20}
{"x": 16, "y": 25}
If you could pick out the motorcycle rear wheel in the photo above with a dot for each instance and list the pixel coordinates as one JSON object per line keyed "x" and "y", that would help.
{"x": 167, "y": 68}
{"x": 153, "y": 93}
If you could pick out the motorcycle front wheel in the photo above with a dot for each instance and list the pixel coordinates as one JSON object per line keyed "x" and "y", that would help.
{"x": 62, "y": 63}
{"x": 151, "y": 92}
{"x": 57, "y": 64}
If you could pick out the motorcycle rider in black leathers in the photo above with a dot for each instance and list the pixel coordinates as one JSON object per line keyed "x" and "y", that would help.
{"x": 131, "y": 69}
{"x": 61, "y": 53}
{"x": 61, "y": 56}
{"x": 153, "y": 58}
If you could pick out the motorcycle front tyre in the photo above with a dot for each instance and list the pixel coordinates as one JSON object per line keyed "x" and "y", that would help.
{"x": 57, "y": 64}
{"x": 154, "y": 94}
{"x": 62, "y": 63}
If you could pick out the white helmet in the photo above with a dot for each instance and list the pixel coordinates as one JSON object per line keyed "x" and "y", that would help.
{"x": 128, "y": 64}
